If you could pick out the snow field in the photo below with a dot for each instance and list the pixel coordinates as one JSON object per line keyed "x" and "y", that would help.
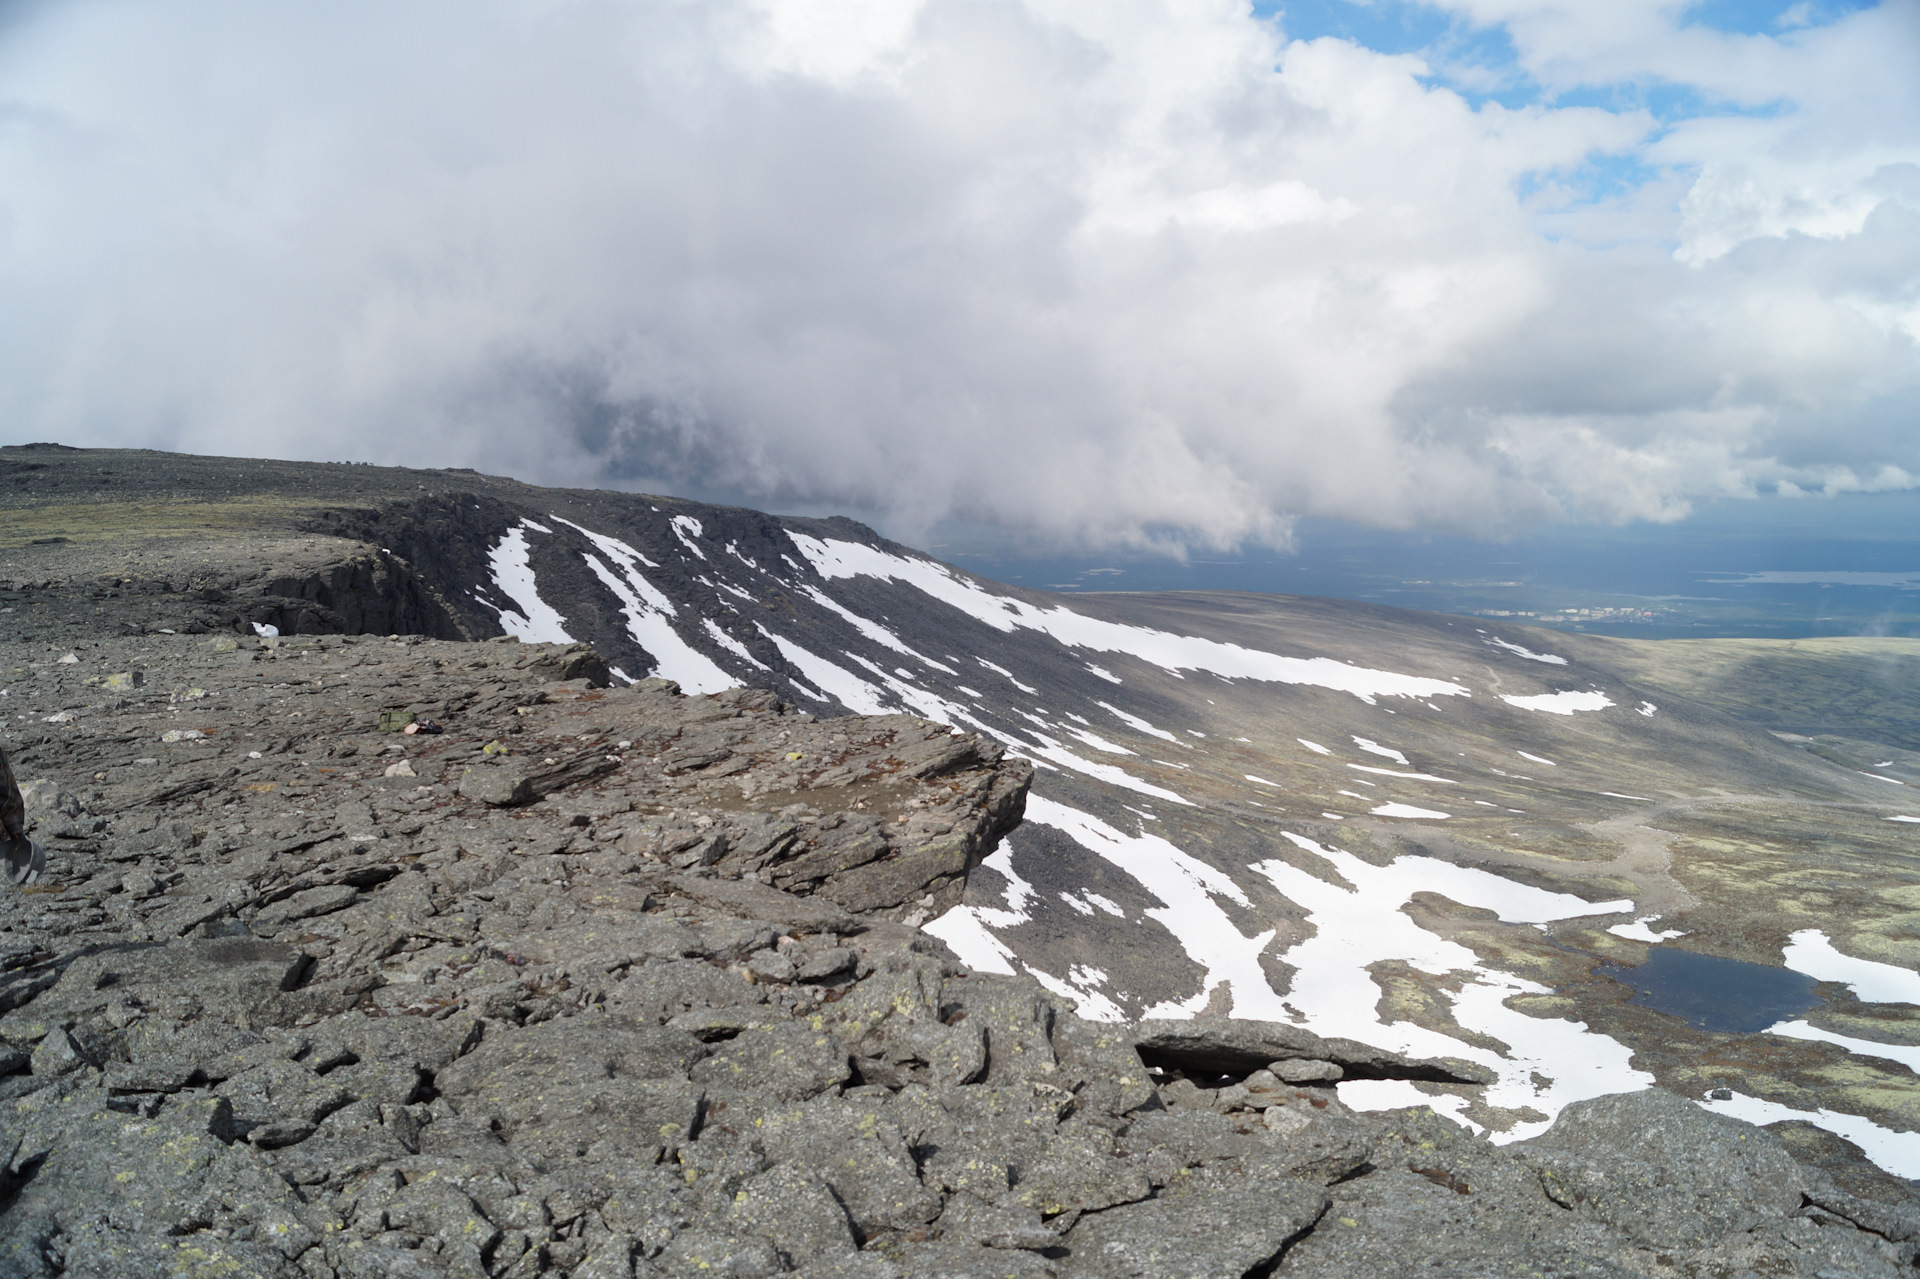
{"x": 1172, "y": 653}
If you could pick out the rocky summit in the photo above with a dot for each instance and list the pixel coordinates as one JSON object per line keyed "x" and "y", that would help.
{"x": 362, "y": 956}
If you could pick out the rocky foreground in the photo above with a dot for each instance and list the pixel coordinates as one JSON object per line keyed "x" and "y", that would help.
{"x": 614, "y": 982}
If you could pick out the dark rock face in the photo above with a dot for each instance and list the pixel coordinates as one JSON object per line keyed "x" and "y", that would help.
{"x": 301, "y": 998}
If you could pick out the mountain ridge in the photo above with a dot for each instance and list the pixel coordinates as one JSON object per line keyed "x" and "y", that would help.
{"x": 1224, "y": 779}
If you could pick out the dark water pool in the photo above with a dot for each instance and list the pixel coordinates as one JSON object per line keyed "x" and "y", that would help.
{"x": 1724, "y": 995}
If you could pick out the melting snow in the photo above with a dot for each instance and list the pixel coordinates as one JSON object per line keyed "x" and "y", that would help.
{"x": 966, "y": 930}
{"x": 731, "y": 644}
{"x": 682, "y": 526}
{"x": 1536, "y": 759}
{"x": 853, "y": 692}
{"x": 1263, "y": 781}
{"x": 1385, "y": 752}
{"x": 1565, "y": 703}
{"x": 1638, "y": 931}
{"x": 1028, "y": 689}
{"x": 1359, "y": 922}
{"x": 1897, "y": 1152}
{"x": 1051, "y": 750}
{"x": 1905, "y": 1055}
{"x": 1809, "y": 951}
{"x": 1315, "y": 747}
{"x": 1648, "y": 708}
{"x": 1172, "y": 653}
{"x": 1406, "y": 810}
{"x": 1134, "y": 721}
{"x": 1388, "y": 772}
{"x": 874, "y": 631}
{"x": 536, "y": 622}
{"x": 1098, "y": 742}
{"x": 1529, "y": 654}
{"x": 1904, "y": 819}
{"x": 1614, "y": 794}
{"x": 1104, "y": 674}
{"x": 647, "y": 611}
{"x": 1187, "y": 889}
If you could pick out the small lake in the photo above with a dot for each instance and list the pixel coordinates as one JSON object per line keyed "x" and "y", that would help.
{"x": 1722, "y": 995}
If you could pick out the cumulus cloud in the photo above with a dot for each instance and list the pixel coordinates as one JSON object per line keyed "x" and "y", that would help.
{"x": 1131, "y": 270}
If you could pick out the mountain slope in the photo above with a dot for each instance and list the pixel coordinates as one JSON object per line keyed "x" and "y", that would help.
{"x": 1409, "y": 829}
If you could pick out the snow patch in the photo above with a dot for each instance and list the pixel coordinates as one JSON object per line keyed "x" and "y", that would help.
{"x": 1527, "y": 653}
{"x": 1186, "y": 889}
{"x": 683, "y": 525}
{"x": 872, "y": 630}
{"x": 1028, "y": 689}
{"x": 1315, "y": 747}
{"x": 1902, "y": 1053}
{"x": 1810, "y": 951}
{"x": 1172, "y": 653}
{"x": 1406, "y": 810}
{"x": 1536, "y": 759}
{"x": 852, "y": 692}
{"x": 1388, "y": 772}
{"x": 1358, "y": 921}
{"x": 1565, "y": 703}
{"x": 1897, "y": 1152}
{"x": 1135, "y": 722}
{"x": 1098, "y": 742}
{"x": 536, "y": 622}
{"x": 1050, "y": 749}
{"x": 731, "y": 644}
{"x": 1638, "y": 931}
{"x": 1385, "y": 752}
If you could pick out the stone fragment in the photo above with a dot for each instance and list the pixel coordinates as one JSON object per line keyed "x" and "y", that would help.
{"x": 1302, "y": 1070}
{"x": 860, "y": 1154}
{"x": 310, "y": 904}
{"x": 789, "y": 1062}
{"x": 1662, "y": 1170}
{"x": 59, "y": 1054}
{"x": 797, "y": 1212}
{"x": 831, "y": 962}
{"x": 957, "y": 1261}
{"x": 1239, "y": 1047}
{"x": 1077, "y": 1172}
{"x": 497, "y": 784}
{"x": 1211, "y": 1224}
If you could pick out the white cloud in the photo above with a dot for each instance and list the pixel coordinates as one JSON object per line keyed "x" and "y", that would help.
{"x": 1105, "y": 271}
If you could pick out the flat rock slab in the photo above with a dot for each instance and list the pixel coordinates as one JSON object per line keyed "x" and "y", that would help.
{"x": 1208, "y": 1227}
{"x": 1238, "y": 1047}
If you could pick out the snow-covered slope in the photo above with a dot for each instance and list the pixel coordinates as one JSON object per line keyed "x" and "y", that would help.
{"x": 1407, "y": 829}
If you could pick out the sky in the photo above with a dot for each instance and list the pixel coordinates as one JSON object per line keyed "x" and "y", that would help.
{"x": 1135, "y": 274}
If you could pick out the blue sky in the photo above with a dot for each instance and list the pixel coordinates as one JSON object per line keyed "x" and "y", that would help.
{"x": 1481, "y": 63}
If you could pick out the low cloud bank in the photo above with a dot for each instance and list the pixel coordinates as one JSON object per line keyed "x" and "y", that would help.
{"x": 1103, "y": 272}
